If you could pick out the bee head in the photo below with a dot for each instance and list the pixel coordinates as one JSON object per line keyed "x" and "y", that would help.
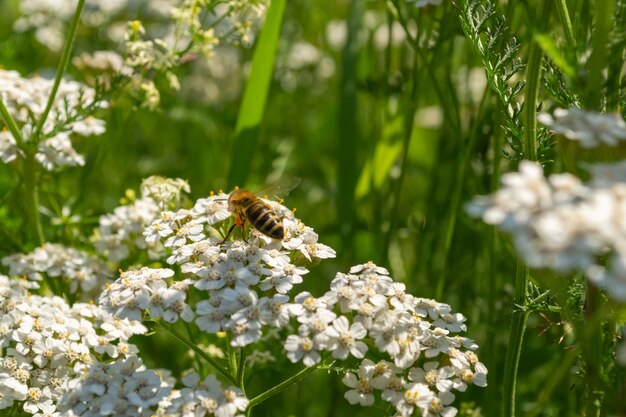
{"x": 240, "y": 199}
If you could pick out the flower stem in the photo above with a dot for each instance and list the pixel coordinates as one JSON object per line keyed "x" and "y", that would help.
{"x": 280, "y": 387}
{"x": 561, "y": 6}
{"x": 516, "y": 337}
{"x": 32, "y": 196}
{"x": 12, "y": 126}
{"x": 199, "y": 351}
{"x": 520, "y": 314}
{"x": 65, "y": 58}
{"x": 593, "y": 352}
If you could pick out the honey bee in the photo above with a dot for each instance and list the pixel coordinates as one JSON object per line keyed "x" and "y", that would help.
{"x": 249, "y": 208}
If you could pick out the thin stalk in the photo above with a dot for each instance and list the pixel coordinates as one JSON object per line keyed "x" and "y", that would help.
{"x": 603, "y": 14}
{"x": 593, "y": 352}
{"x": 241, "y": 369}
{"x": 232, "y": 359}
{"x": 455, "y": 203}
{"x": 15, "y": 131}
{"x": 411, "y": 109}
{"x": 520, "y": 314}
{"x": 561, "y": 6}
{"x": 199, "y": 351}
{"x": 32, "y": 196}
{"x": 516, "y": 337}
{"x": 65, "y": 58}
{"x": 280, "y": 387}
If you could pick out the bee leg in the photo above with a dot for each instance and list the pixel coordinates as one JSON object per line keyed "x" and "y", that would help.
{"x": 243, "y": 231}
{"x": 228, "y": 234}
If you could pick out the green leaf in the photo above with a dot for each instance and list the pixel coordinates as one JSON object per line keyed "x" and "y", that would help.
{"x": 255, "y": 95}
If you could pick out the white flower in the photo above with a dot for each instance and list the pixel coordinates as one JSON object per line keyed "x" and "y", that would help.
{"x": 344, "y": 339}
{"x": 433, "y": 376}
{"x": 590, "y": 129}
{"x": 302, "y": 348}
{"x": 25, "y": 99}
{"x": 415, "y": 396}
{"x": 361, "y": 384}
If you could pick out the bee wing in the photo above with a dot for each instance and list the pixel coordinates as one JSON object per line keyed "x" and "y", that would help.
{"x": 280, "y": 188}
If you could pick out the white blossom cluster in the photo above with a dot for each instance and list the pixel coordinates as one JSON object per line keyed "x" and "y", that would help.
{"x": 428, "y": 359}
{"x": 124, "y": 387}
{"x": 205, "y": 398}
{"x": 247, "y": 282}
{"x": 197, "y": 28}
{"x": 47, "y": 345}
{"x": 588, "y": 128}
{"x": 564, "y": 224}
{"x": 26, "y": 98}
{"x": 121, "y": 232}
{"x": 82, "y": 272}
{"x": 49, "y": 19}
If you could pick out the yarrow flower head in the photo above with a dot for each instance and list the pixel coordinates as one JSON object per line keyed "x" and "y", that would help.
{"x": 124, "y": 387}
{"x": 206, "y": 397}
{"x": 120, "y": 233}
{"x": 83, "y": 273}
{"x": 588, "y": 128}
{"x": 71, "y": 113}
{"x": 426, "y": 357}
{"x": 561, "y": 223}
{"x": 49, "y": 23}
{"x": 48, "y": 344}
{"x": 247, "y": 283}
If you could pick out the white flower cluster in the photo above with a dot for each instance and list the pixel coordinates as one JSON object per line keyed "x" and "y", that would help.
{"x": 26, "y": 98}
{"x": 49, "y": 20}
{"x": 206, "y": 398}
{"x": 233, "y": 273}
{"x": 197, "y": 28}
{"x": 47, "y": 345}
{"x": 428, "y": 358}
{"x": 564, "y": 224}
{"x": 589, "y": 129}
{"x": 121, "y": 232}
{"x": 81, "y": 271}
{"x": 123, "y": 387}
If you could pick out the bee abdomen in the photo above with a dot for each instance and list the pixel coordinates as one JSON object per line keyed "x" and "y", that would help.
{"x": 265, "y": 220}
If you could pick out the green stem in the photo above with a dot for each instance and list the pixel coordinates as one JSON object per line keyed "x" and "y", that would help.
{"x": 32, "y": 196}
{"x": 599, "y": 56}
{"x": 65, "y": 58}
{"x": 199, "y": 351}
{"x": 593, "y": 349}
{"x": 533, "y": 79}
{"x": 455, "y": 203}
{"x": 280, "y": 387}
{"x": 15, "y": 131}
{"x": 411, "y": 109}
{"x": 516, "y": 337}
{"x": 241, "y": 368}
{"x": 520, "y": 314}
{"x": 561, "y": 6}
{"x": 232, "y": 359}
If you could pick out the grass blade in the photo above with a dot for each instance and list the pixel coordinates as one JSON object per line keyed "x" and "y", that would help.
{"x": 255, "y": 95}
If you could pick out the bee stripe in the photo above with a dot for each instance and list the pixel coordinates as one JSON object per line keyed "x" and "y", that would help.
{"x": 277, "y": 231}
{"x": 264, "y": 220}
{"x": 254, "y": 211}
